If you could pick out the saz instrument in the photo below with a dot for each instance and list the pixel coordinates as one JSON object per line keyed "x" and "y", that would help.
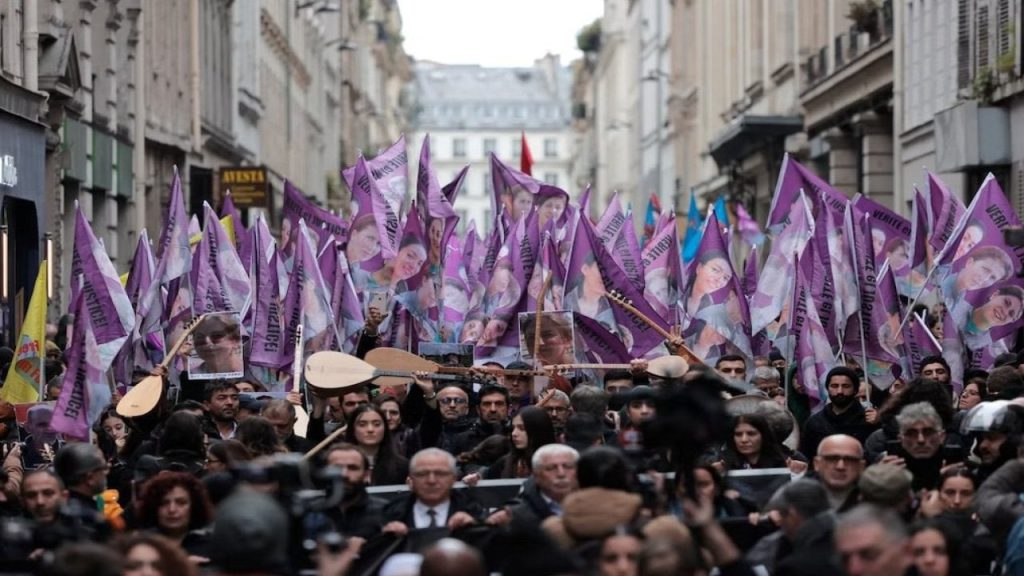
{"x": 681, "y": 349}
{"x": 396, "y": 359}
{"x": 335, "y": 373}
{"x": 145, "y": 395}
{"x": 663, "y": 367}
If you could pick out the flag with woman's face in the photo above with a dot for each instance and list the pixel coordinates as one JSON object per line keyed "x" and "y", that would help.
{"x": 890, "y": 237}
{"x": 547, "y": 271}
{"x": 414, "y": 289}
{"x": 662, "y": 272}
{"x": 435, "y": 208}
{"x": 920, "y": 250}
{"x": 455, "y": 291}
{"x": 714, "y": 299}
{"x": 513, "y": 191}
{"x": 307, "y": 302}
{"x": 813, "y": 353}
{"x": 384, "y": 213}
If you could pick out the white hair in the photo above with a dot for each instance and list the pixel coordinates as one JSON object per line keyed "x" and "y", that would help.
{"x": 428, "y": 452}
{"x": 552, "y": 450}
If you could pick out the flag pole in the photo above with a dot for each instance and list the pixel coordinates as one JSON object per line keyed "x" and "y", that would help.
{"x": 42, "y": 357}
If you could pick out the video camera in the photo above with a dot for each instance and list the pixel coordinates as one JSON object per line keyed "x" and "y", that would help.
{"x": 20, "y": 537}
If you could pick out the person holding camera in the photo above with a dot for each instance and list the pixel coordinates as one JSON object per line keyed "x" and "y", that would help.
{"x": 922, "y": 446}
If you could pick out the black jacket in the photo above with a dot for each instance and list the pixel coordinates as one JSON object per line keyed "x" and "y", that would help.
{"x": 362, "y": 516}
{"x": 825, "y": 422}
{"x": 811, "y": 552}
{"x": 530, "y": 507}
{"x": 400, "y": 510}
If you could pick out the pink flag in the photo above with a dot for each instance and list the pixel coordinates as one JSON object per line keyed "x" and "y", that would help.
{"x": 85, "y": 393}
{"x": 548, "y": 265}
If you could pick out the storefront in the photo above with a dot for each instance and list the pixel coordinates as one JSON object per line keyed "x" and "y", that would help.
{"x": 23, "y": 207}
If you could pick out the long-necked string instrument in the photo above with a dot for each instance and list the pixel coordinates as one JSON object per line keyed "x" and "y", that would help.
{"x": 335, "y": 373}
{"x": 145, "y": 395}
{"x": 681, "y": 349}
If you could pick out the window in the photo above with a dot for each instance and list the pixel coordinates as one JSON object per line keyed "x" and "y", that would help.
{"x": 550, "y": 148}
{"x": 459, "y": 147}
{"x": 488, "y": 186}
{"x": 490, "y": 146}
{"x": 551, "y": 178}
{"x": 517, "y": 148}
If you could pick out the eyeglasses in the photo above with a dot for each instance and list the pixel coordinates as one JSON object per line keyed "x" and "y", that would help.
{"x": 837, "y": 458}
{"x": 920, "y": 432}
{"x": 421, "y": 474}
{"x": 458, "y": 401}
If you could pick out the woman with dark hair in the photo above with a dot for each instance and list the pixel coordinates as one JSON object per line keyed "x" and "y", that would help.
{"x": 118, "y": 439}
{"x": 403, "y": 437}
{"x": 175, "y": 505}
{"x": 752, "y": 445}
{"x": 936, "y": 548}
{"x": 367, "y": 429}
{"x": 408, "y": 262}
{"x": 619, "y": 553}
{"x": 711, "y": 487}
{"x": 363, "y": 240}
{"x": 531, "y": 429}
{"x": 181, "y": 447}
{"x": 258, "y": 435}
{"x": 147, "y": 554}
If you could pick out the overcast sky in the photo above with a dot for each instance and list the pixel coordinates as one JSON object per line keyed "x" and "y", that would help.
{"x": 494, "y": 32}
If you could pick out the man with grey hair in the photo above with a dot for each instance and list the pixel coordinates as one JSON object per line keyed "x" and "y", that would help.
{"x": 554, "y": 478}
{"x": 872, "y": 541}
{"x": 766, "y": 379}
{"x": 556, "y": 403}
{"x": 431, "y": 502}
{"x": 922, "y": 445}
{"x": 281, "y": 414}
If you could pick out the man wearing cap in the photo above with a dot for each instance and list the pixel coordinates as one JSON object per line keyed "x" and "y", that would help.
{"x": 83, "y": 470}
{"x": 842, "y": 415}
{"x": 431, "y": 502}
{"x": 838, "y": 465}
{"x": 887, "y": 486}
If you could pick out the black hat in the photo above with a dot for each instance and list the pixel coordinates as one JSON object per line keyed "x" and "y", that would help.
{"x": 250, "y": 534}
{"x": 75, "y": 460}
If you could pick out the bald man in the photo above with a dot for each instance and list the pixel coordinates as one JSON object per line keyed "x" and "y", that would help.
{"x": 451, "y": 557}
{"x": 839, "y": 463}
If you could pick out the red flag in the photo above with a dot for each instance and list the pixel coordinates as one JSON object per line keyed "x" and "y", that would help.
{"x": 525, "y": 158}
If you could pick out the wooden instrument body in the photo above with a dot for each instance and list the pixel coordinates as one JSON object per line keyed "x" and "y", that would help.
{"x": 144, "y": 396}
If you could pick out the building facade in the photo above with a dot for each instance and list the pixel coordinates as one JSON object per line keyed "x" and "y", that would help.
{"x": 471, "y": 112}
{"x": 102, "y": 100}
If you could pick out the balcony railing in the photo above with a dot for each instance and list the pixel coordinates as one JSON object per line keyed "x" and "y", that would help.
{"x": 848, "y": 47}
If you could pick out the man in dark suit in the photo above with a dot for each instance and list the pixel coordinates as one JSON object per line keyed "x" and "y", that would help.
{"x": 554, "y": 478}
{"x": 431, "y": 502}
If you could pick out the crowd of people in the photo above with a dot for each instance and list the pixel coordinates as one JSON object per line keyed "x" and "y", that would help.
{"x": 395, "y": 480}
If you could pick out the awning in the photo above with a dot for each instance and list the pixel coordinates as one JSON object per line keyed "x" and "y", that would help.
{"x": 748, "y": 134}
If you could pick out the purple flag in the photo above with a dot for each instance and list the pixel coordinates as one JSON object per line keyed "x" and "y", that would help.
{"x": 911, "y": 284}
{"x": 451, "y": 189}
{"x": 822, "y": 286}
{"x": 919, "y": 344}
{"x": 415, "y": 290}
{"x": 549, "y": 264}
{"x": 749, "y": 284}
{"x": 349, "y": 318}
{"x": 140, "y": 277}
{"x": 615, "y": 230}
{"x": 715, "y": 313}
{"x": 84, "y": 393}
{"x": 862, "y": 335}
{"x": 220, "y": 280}
{"x": 389, "y": 170}
{"x": 945, "y": 211}
{"x": 601, "y": 345}
{"x": 111, "y": 316}
{"x": 769, "y": 306}
{"x": 307, "y": 302}
{"x": 890, "y": 236}
{"x": 387, "y": 218}
{"x": 435, "y": 209}
{"x": 792, "y": 179}
{"x": 590, "y": 273}
{"x": 513, "y": 190}
{"x": 747, "y": 226}
{"x": 813, "y": 353}
{"x": 265, "y": 314}
{"x": 663, "y": 278}
{"x": 298, "y": 207}
{"x": 456, "y": 291}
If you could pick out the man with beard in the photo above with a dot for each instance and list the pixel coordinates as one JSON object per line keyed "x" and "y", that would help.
{"x": 520, "y": 386}
{"x": 221, "y": 403}
{"x": 842, "y": 415}
{"x": 358, "y": 514}
{"x": 493, "y": 419}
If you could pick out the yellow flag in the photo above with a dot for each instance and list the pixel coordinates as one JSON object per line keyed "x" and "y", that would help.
{"x": 229, "y": 227}
{"x": 24, "y": 378}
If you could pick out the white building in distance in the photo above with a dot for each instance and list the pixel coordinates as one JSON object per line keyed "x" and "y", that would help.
{"x": 471, "y": 111}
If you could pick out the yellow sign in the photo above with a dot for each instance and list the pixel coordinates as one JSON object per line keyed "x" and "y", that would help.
{"x": 248, "y": 186}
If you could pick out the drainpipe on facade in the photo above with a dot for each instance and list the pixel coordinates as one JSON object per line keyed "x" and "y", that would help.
{"x": 139, "y": 149}
{"x": 30, "y": 43}
{"x": 193, "y": 16}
